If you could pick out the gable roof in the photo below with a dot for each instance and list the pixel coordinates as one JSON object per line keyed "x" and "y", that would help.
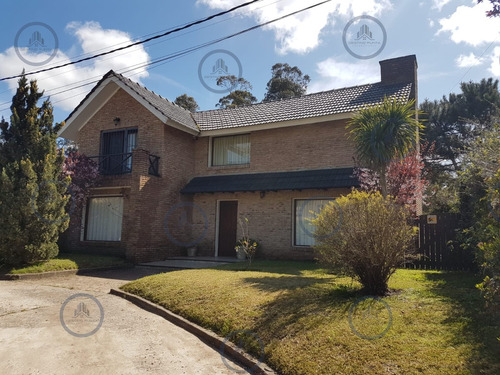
{"x": 345, "y": 100}
{"x": 273, "y": 181}
{"x": 317, "y": 105}
{"x": 168, "y": 108}
{"x": 166, "y": 111}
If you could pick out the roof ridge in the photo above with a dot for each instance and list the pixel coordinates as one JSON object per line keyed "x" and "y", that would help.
{"x": 291, "y": 98}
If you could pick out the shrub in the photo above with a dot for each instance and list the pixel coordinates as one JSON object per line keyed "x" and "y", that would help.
{"x": 245, "y": 243}
{"x": 365, "y": 236}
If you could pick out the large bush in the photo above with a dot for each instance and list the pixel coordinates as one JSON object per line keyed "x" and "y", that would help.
{"x": 33, "y": 196}
{"x": 365, "y": 236}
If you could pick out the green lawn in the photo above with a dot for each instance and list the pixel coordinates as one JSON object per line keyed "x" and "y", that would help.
{"x": 300, "y": 313}
{"x": 70, "y": 262}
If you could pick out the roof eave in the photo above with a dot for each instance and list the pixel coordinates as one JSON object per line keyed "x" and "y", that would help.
{"x": 276, "y": 125}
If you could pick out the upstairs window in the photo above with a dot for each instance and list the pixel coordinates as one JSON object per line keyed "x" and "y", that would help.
{"x": 116, "y": 151}
{"x": 232, "y": 150}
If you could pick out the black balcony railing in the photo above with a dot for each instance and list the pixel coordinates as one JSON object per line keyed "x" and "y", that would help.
{"x": 114, "y": 163}
{"x": 122, "y": 163}
{"x": 154, "y": 164}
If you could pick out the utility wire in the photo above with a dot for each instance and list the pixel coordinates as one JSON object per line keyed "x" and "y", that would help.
{"x": 164, "y": 59}
{"x": 136, "y": 43}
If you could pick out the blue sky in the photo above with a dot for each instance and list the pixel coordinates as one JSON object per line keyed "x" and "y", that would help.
{"x": 453, "y": 42}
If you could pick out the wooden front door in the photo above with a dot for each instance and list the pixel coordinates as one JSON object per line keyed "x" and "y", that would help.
{"x": 228, "y": 221}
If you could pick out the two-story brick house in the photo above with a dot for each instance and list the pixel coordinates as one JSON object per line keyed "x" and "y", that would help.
{"x": 175, "y": 179}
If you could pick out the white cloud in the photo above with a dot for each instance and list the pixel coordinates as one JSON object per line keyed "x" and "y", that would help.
{"x": 439, "y": 4}
{"x": 338, "y": 74}
{"x": 464, "y": 61}
{"x": 301, "y": 33}
{"x": 470, "y": 25}
{"x": 92, "y": 39}
{"x": 495, "y": 62}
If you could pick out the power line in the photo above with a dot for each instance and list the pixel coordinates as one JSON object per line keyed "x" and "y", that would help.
{"x": 175, "y": 55}
{"x": 136, "y": 43}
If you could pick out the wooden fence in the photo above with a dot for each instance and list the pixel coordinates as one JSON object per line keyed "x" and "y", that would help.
{"x": 437, "y": 248}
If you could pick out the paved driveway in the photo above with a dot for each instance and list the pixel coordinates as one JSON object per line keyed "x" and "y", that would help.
{"x": 130, "y": 340}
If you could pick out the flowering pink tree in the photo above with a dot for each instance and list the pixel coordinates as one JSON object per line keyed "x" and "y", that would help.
{"x": 84, "y": 173}
{"x": 406, "y": 180}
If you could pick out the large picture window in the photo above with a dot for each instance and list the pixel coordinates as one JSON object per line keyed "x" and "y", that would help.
{"x": 232, "y": 150}
{"x": 104, "y": 219}
{"x": 116, "y": 151}
{"x": 305, "y": 210}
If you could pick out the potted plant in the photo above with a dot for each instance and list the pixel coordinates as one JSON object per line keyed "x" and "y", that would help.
{"x": 191, "y": 251}
{"x": 246, "y": 247}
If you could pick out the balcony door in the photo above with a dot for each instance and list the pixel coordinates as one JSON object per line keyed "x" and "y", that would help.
{"x": 116, "y": 151}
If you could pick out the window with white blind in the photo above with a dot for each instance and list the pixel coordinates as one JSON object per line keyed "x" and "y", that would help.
{"x": 305, "y": 211}
{"x": 232, "y": 150}
{"x": 104, "y": 219}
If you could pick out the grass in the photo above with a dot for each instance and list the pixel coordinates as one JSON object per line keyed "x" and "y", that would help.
{"x": 70, "y": 262}
{"x": 300, "y": 313}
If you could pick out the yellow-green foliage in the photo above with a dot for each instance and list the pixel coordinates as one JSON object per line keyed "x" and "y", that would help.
{"x": 365, "y": 236}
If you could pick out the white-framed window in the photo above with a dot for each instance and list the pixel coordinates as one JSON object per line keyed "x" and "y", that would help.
{"x": 305, "y": 210}
{"x": 104, "y": 219}
{"x": 231, "y": 150}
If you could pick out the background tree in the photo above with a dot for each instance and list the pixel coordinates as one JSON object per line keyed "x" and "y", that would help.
{"x": 495, "y": 10}
{"x": 406, "y": 180}
{"x": 187, "y": 102}
{"x": 480, "y": 208}
{"x": 32, "y": 195}
{"x": 239, "y": 92}
{"x": 382, "y": 133}
{"x": 286, "y": 82}
{"x": 453, "y": 123}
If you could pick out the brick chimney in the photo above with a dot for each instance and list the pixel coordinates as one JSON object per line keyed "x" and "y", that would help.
{"x": 400, "y": 70}
{"x": 403, "y": 70}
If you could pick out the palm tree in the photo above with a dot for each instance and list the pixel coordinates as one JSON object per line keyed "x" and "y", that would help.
{"x": 384, "y": 132}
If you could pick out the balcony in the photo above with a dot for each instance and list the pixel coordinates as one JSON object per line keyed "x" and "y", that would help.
{"x": 117, "y": 164}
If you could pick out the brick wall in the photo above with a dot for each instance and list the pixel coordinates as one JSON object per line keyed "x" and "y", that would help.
{"x": 270, "y": 220}
{"x": 147, "y": 198}
{"x": 314, "y": 146}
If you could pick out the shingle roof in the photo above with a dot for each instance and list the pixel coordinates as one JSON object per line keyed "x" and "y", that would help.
{"x": 331, "y": 102}
{"x": 169, "y": 109}
{"x": 344, "y": 100}
{"x": 273, "y": 181}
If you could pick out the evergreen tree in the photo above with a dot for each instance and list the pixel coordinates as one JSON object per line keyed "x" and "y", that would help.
{"x": 33, "y": 195}
{"x": 286, "y": 82}
{"x": 239, "y": 92}
{"x": 187, "y": 102}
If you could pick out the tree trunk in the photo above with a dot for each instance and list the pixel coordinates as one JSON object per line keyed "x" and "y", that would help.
{"x": 383, "y": 182}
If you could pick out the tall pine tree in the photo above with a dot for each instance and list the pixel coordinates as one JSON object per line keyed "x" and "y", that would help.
{"x": 33, "y": 195}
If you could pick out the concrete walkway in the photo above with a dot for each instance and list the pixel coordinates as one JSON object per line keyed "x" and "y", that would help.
{"x": 130, "y": 340}
{"x": 190, "y": 262}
